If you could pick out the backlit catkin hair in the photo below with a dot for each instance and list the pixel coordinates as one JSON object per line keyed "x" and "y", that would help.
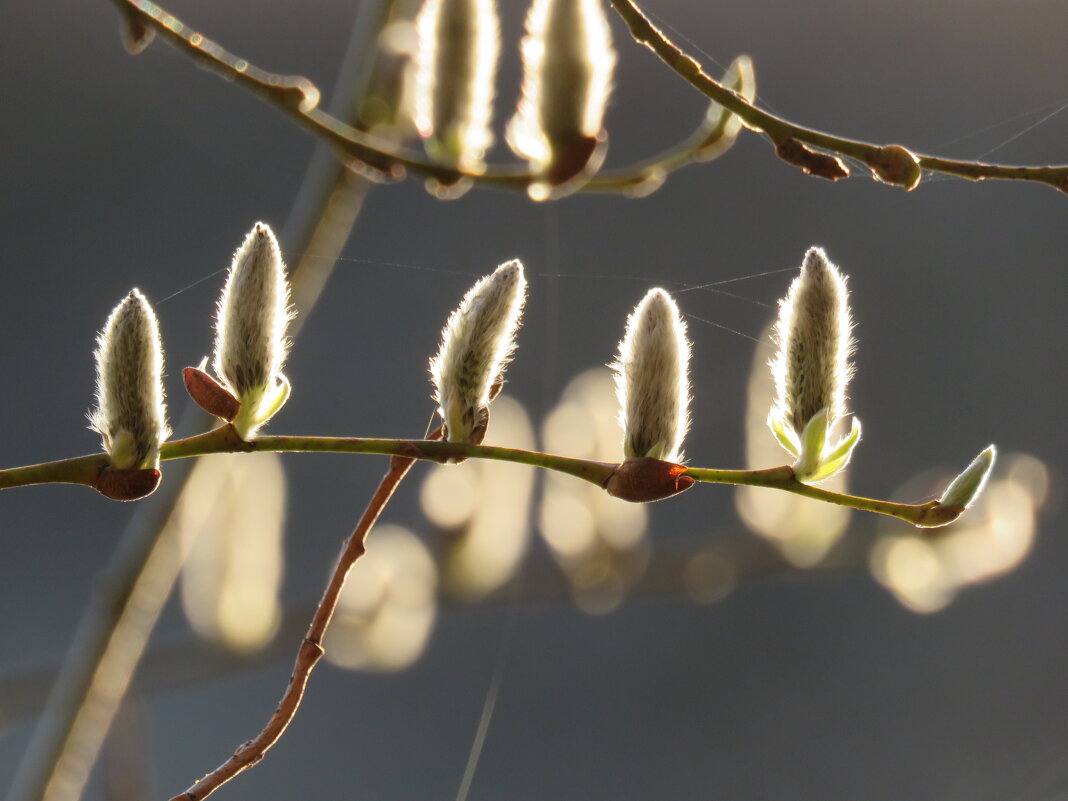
{"x": 250, "y": 329}
{"x": 811, "y": 366}
{"x": 456, "y": 66}
{"x": 130, "y": 416}
{"x": 568, "y": 61}
{"x": 476, "y": 345}
{"x": 652, "y": 379}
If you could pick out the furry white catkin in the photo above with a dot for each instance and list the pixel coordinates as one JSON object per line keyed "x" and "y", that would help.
{"x": 250, "y": 332}
{"x": 130, "y": 415}
{"x": 652, "y": 379}
{"x": 456, "y": 67}
{"x": 811, "y": 367}
{"x": 476, "y": 345}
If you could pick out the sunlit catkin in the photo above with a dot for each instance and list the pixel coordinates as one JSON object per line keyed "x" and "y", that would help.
{"x": 130, "y": 416}
{"x": 456, "y": 64}
{"x": 652, "y": 381}
{"x": 250, "y": 331}
{"x": 568, "y": 61}
{"x": 476, "y": 344}
{"x": 811, "y": 368}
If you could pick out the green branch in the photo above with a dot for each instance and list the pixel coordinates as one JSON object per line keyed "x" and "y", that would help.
{"x": 86, "y": 469}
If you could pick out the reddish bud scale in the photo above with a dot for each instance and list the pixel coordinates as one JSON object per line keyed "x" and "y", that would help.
{"x": 643, "y": 480}
{"x": 127, "y": 485}
{"x": 209, "y": 394}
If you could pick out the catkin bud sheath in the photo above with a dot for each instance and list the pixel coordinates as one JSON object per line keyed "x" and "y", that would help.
{"x": 568, "y": 62}
{"x": 130, "y": 416}
{"x": 476, "y": 345}
{"x": 250, "y": 332}
{"x": 456, "y": 65}
{"x": 652, "y": 380}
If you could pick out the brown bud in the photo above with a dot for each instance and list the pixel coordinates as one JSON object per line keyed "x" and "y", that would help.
{"x": 895, "y": 165}
{"x": 127, "y": 485}
{"x": 643, "y": 480}
{"x": 938, "y": 516}
{"x": 812, "y": 163}
{"x": 209, "y": 394}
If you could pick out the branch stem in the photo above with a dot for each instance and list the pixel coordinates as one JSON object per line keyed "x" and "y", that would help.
{"x": 311, "y": 648}
{"x": 780, "y": 130}
{"x": 84, "y": 469}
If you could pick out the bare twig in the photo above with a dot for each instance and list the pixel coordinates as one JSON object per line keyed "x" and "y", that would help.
{"x": 311, "y": 649}
{"x": 890, "y": 163}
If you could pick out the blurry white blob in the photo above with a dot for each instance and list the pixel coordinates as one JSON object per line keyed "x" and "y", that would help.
{"x": 232, "y": 517}
{"x": 487, "y": 504}
{"x": 387, "y": 610}
{"x": 599, "y": 541}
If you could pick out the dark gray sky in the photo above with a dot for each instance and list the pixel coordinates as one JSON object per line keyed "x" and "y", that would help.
{"x": 146, "y": 171}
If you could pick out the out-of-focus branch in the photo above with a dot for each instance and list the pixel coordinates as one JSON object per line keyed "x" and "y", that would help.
{"x": 299, "y": 98}
{"x": 118, "y": 622}
{"x": 746, "y": 561}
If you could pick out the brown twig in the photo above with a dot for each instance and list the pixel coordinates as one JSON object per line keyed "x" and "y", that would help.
{"x": 311, "y": 649}
{"x": 889, "y": 164}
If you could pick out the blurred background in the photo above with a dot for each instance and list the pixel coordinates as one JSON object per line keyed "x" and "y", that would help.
{"x": 720, "y": 645}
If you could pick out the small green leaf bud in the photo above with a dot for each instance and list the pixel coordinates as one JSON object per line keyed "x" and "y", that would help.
{"x": 966, "y": 487}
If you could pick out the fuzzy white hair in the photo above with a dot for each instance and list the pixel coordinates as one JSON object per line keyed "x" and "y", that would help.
{"x": 811, "y": 366}
{"x": 130, "y": 416}
{"x": 476, "y": 345}
{"x": 652, "y": 379}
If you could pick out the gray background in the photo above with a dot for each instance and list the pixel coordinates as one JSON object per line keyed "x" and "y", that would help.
{"x": 121, "y": 172}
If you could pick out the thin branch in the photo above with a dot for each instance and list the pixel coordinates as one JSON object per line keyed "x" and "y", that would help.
{"x": 84, "y": 469}
{"x": 118, "y": 622}
{"x": 311, "y": 648}
{"x": 889, "y": 163}
{"x": 299, "y": 99}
